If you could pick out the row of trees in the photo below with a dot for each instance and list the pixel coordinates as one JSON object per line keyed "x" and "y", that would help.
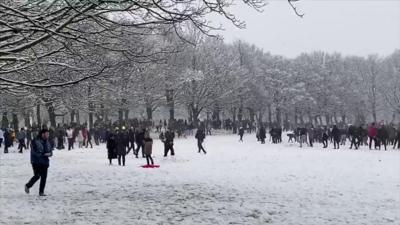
{"x": 105, "y": 63}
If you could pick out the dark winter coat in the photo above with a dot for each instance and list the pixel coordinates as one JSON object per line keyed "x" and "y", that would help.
{"x": 122, "y": 143}
{"x": 21, "y": 135}
{"x": 382, "y": 133}
{"x": 169, "y": 137}
{"x": 111, "y": 147}
{"x": 7, "y": 138}
{"x": 40, "y": 152}
{"x": 131, "y": 135}
{"x": 139, "y": 137}
{"x": 335, "y": 133}
{"x": 200, "y": 135}
{"x": 241, "y": 131}
{"x": 148, "y": 146}
{"x": 262, "y": 133}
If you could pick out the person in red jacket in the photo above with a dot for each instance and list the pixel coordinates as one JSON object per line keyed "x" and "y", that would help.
{"x": 372, "y": 132}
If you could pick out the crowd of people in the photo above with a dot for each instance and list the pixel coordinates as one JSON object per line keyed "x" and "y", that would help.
{"x": 120, "y": 140}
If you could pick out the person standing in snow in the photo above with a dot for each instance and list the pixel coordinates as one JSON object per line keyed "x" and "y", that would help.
{"x": 89, "y": 139}
{"x": 262, "y": 134}
{"x": 148, "y": 148}
{"x": 139, "y": 142}
{"x": 241, "y": 133}
{"x": 70, "y": 137}
{"x": 21, "y": 136}
{"x": 131, "y": 137}
{"x": 382, "y": 136}
{"x": 122, "y": 145}
{"x": 40, "y": 153}
{"x": 397, "y": 140}
{"x": 169, "y": 142}
{"x": 325, "y": 138}
{"x": 1, "y": 136}
{"x": 7, "y": 140}
{"x": 111, "y": 147}
{"x": 372, "y": 132}
{"x": 80, "y": 139}
{"x": 200, "y": 136}
{"x": 336, "y": 137}
{"x": 310, "y": 132}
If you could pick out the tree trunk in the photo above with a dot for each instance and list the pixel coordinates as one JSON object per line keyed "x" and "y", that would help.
{"x": 72, "y": 114}
{"x": 52, "y": 115}
{"x": 278, "y": 116}
{"x": 4, "y": 120}
{"x": 149, "y": 112}
{"x": 120, "y": 117}
{"x": 170, "y": 103}
{"x": 15, "y": 122}
{"x": 38, "y": 117}
{"x": 327, "y": 119}
{"x": 78, "y": 119}
{"x": 27, "y": 119}
{"x": 269, "y": 115}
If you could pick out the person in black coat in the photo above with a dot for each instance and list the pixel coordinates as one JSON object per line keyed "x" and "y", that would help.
{"x": 241, "y": 133}
{"x": 169, "y": 142}
{"x": 122, "y": 145}
{"x": 7, "y": 140}
{"x": 200, "y": 136}
{"x": 40, "y": 153}
{"x": 382, "y": 136}
{"x": 325, "y": 137}
{"x": 139, "y": 137}
{"x": 397, "y": 141}
{"x": 131, "y": 137}
{"x": 262, "y": 135}
{"x": 111, "y": 147}
{"x": 336, "y": 137}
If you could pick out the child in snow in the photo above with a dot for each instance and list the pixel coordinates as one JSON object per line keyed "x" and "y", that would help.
{"x": 148, "y": 148}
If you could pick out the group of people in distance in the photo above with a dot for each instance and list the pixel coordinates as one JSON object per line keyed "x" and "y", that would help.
{"x": 374, "y": 136}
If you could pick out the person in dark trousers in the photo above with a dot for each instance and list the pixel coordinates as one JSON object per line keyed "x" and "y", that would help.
{"x": 372, "y": 132}
{"x": 311, "y": 132}
{"x": 139, "y": 142}
{"x": 60, "y": 137}
{"x": 7, "y": 140}
{"x": 336, "y": 137}
{"x": 382, "y": 136}
{"x": 1, "y": 136}
{"x": 89, "y": 139}
{"x": 262, "y": 134}
{"x": 131, "y": 137}
{"x": 200, "y": 136}
{"x": 111, "y": 148}
{"x": 169, "y": 142}
{"x": 40, "y": 153}
{"x": 353, "y": 135}
{"x": 122, "y": 145}
{"x": 29, "y": 138}
{"x": 241, "y": 133}
{"x": 70, "y": 137}
{"x": 397, "y": 141}
{"x": 325, "y": 138}
{"x": 21, "y": 136}
{"x": 148, "y": 148}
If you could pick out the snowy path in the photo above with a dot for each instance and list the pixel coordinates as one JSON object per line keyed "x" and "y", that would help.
{"x": 235, "y": 183}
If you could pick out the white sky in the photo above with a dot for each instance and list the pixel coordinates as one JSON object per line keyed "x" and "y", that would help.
{"x": 345, "y": 26}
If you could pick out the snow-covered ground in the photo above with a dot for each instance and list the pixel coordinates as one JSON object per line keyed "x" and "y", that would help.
{"x": 235, "y": 183}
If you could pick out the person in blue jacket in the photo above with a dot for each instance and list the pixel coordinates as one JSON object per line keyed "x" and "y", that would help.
{"x": 40, "y": 153}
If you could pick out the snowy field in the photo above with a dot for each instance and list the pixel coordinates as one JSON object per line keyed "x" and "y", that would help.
{"x": 235, "y": 183}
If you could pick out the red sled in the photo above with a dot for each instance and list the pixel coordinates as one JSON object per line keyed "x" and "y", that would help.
{"x": 150, "y": 166}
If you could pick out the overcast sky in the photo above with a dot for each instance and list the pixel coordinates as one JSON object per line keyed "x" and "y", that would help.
{"x": 345, "y": 26}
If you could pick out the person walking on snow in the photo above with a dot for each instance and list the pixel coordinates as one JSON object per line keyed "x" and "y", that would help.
{"x": 241, "y": 133}
{"x": 40, "y": 153}
{"x": 200, "y": 136}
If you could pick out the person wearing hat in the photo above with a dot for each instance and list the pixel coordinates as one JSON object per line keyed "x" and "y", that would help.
{"x": 40, "y": 153}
